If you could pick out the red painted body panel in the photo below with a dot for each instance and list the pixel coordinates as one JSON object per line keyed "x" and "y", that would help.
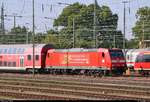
{"x": 84, "y": 58}
{"x": 144, "y": 65}
{"x": 9, "y": 59}
{"x": 73, "y": 59}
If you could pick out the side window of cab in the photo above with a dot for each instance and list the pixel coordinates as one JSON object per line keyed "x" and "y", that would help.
{"x": 103, "y": 54}
{"x": 48, "y": 55}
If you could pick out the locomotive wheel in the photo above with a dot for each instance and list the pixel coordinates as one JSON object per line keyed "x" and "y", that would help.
{"x": 107, "y": 73}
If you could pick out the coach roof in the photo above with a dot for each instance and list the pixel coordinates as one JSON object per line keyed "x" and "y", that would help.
{"x": 19, "y": 48}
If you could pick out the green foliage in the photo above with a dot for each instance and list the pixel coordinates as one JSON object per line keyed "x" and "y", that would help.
{"x": 132, "y": 44}
{"x": 19, "y": 30}
{"x": 83, "y": 16}
{"x": 141, "y": 30}
{"x": 74, "y": 9}
{"x": 17, "y": 35}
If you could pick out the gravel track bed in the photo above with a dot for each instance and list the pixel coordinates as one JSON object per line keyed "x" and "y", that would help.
{"x": 60, "y": 84}
{"x": 121, "y": 80}
{"x": 72, "y": 82}
{"x": 28, "y": 95}
{"x": 80, "y": 87}
{"x": 78, "y": 90}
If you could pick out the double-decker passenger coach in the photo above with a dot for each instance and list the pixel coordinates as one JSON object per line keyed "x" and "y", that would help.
{"x": 19, "y": 57}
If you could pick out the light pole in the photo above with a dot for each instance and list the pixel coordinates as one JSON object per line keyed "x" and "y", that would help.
{"x": 2, "y": 23}
{"x": 124, "y": 25}
{"x": 94, "y": 25}
{"x": 33, "y": 39}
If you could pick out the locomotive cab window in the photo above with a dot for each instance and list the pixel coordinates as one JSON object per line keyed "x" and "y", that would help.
{"x": 29, "y": 57}
{"x": 37, "y": 57}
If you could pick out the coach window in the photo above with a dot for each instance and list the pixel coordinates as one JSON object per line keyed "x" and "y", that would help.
{"x": 5, "y": 63}
{"x": 0, "y": 63}
{"x": 9, "y": 51}
{"x": 9, "y": 64}
{"x": 5, "y": 51}
{"x": 37, "y": 57}
{"x": 1, "y": 51}
{"x": 14, "y": 64}
{"x": 29, "y": 57}
{"x": 14, "y": 50}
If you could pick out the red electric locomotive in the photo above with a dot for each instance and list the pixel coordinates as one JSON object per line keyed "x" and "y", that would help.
{"x": 87, "y": 61}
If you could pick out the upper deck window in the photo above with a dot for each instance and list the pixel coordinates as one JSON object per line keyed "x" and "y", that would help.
{"x": 5, "y": 51}
{"x": 19, "y": 50}
{"x": 10, "y": 51}
{"x": 14, "y": 50}
{"x": 1, "y": 50}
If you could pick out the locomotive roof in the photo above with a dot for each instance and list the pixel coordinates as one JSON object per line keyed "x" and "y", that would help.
{"x": 21, "y": 45}
{"x": 76, "y": 50}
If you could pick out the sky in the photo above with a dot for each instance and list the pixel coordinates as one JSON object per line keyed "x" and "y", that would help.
{"x": 51, "y": 9}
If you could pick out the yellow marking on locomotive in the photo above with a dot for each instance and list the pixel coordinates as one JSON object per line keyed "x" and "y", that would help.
{"x": 65, "y": 59}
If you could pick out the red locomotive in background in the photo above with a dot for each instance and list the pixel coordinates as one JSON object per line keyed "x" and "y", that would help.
{"x": 77, "y": 60}
{"x": 142, "y": 63}
{"x": 138, "y": 60}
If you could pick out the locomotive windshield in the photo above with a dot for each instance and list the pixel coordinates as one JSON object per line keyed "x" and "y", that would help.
{"x": 116, "y": 53}
{"x": 143, "y": 58}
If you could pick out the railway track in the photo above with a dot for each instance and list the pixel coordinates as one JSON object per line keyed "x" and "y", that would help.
{"x": 121, "y": 80}
{"x": 77, "y": 89}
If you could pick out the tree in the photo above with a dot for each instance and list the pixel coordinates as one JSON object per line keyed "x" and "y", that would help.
{"x": 19, "y": 30}
{"x": 74, "y": 9}
{"x": 132, "y": 43}
{"x": 141, "y": 30}
{"x": 106, "y": 24}
{"x": 18, "y": 35}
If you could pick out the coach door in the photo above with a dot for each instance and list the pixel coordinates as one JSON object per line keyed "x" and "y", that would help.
{"x": 21, "y": 61}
